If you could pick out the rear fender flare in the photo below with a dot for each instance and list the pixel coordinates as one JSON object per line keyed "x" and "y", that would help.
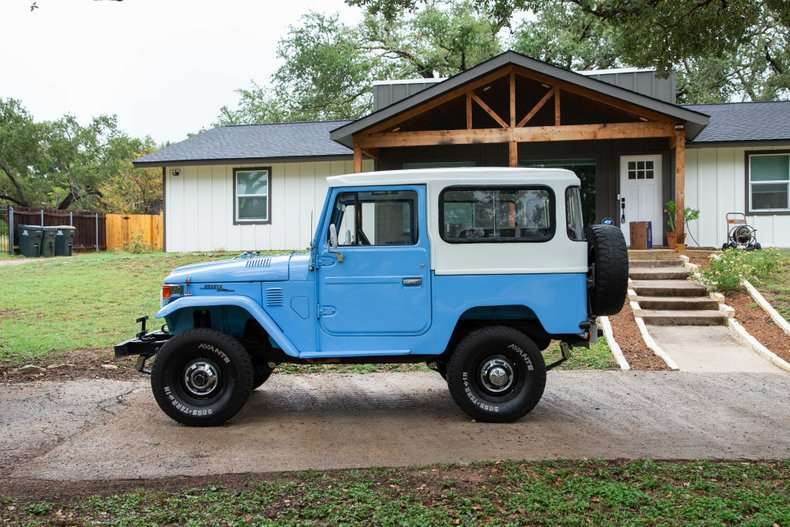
{"x": 243, "y": 302}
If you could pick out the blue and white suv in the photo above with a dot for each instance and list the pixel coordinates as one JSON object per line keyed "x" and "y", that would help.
{"x": 473, "y": 271}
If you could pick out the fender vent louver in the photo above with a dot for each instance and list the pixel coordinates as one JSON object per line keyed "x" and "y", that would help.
{"x": 274, "y": 297}
{"x": 262, "y": 263}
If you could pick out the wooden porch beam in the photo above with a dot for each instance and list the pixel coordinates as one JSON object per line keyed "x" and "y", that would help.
{"x": 438, "y": 101}
{"x": 480, "y": 102}
{"x": 603, "y": 99}
{"x": 680, "y": 188}
{"x": 557, "y": 106}
{"x": 357, "y": 158}
{"x": 512, "y": 98}
{"x": 576, "y": 132}
{"x": 535, "y": 109}
{"x": 468, "y": 112}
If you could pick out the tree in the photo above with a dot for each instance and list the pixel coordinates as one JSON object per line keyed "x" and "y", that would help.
{"x": 61, "y": 163}
{"x": 134, "y": 190}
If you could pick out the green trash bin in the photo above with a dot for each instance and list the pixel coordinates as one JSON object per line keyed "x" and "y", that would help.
{"x": 30, "y": 237}
{"x": 64, "y": 239}
{"x": 48, "y": 241}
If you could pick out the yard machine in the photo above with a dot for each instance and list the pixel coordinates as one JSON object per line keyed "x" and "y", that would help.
{"x": 740, "y": 235}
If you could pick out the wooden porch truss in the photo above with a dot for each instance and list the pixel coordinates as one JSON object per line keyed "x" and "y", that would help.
{"x": 513, "y": 130}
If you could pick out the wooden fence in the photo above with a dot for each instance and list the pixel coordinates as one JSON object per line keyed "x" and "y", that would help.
{"x": 89, "y": 235}
{"x": 124, "y": 230}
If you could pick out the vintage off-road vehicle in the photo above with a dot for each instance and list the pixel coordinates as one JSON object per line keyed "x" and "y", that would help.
{"x": 473, "y": 271}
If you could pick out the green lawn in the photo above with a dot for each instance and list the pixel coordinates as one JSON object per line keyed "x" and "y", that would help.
{"x": 543, "y": 493}
{"x": 91, "y": 301}
{"x": 87, "y": 301}
{"x": 776, "y": 287}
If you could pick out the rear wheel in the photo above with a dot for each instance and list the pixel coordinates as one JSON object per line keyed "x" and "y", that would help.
{"x": 202, "y": 377}
{"x": 496, "y": 374}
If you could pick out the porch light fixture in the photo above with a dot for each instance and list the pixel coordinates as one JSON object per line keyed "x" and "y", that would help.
{"x": 175, "y": 172}
{"x": 487, "y": 88}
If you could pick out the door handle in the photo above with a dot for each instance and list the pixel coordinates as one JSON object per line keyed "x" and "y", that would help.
{"x": 411, "y": 282}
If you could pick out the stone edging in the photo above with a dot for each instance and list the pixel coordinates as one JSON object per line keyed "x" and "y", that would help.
{"x": 767, "y": 307}
{"x": 646, "y": 337}
{"x": 743, "y": 336}
{"x": 614, "y": 347}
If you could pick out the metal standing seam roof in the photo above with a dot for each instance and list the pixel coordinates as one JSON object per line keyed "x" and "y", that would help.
{"x": 252, "y": 142}
{"x": 695, "y": 121}
{"x": 746, "y": 121}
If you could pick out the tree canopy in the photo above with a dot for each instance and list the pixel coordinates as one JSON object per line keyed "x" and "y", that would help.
{"x": 64, "y": 164}
{"x": 720, "y": 50}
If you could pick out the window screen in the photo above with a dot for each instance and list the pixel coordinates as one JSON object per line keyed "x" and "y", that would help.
{"x": 504, "y": 214}
{"x": 376, "y": 218}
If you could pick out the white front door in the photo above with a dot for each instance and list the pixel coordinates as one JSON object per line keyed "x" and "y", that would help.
{"x": 640, "y": 188}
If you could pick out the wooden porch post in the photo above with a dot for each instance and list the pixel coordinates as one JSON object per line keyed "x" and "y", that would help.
{"x": 357, "y": 158}
{"x": 680, "y": 187}
{"x": 512, "y": 146}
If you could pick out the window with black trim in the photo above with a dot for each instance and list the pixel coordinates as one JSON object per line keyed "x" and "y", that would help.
{"x": 769, "y": 182}
{"x": 496, "y": 214}
{"x": 251, "y": 195}
{"x": 376, "y": 218}
{"x": 574, "y": 217}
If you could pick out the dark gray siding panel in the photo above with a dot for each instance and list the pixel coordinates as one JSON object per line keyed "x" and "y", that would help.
{"x": 643, "y": 82}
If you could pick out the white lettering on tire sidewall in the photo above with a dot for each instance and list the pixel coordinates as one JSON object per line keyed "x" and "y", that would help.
{"x": 196, "y": 411}
{"x": 485, "y": 405}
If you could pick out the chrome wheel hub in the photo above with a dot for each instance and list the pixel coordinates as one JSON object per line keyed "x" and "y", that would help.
{"x": 201, "y": 378}
{"x": 496, "y": 375}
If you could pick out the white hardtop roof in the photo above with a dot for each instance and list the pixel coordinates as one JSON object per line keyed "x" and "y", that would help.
{"x": 458, "y": 176}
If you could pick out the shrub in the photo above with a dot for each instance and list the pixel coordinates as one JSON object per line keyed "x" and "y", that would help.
{"x": 136, "y": 245}
{"x": 726, "y": 272}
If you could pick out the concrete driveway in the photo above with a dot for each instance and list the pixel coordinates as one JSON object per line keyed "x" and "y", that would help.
{"x": 102, "y": 429}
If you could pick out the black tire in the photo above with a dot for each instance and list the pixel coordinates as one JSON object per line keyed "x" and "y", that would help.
{"x": 608, "y": 261}
{"x": 476, "y": 353}
{"x": 261, "y": 373}
{"x": 209, "y": 355}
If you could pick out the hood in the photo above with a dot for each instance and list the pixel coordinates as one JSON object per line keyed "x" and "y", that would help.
{"x": 246, "y": 268}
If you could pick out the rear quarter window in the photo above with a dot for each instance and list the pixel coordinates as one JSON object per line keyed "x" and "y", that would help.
{"x": 483, "y": 214}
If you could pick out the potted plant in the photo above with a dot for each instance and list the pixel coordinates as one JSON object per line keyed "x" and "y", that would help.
{"x": 689, "y": 214}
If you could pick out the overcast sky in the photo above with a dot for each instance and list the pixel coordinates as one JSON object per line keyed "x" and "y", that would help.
{"x": 163, "y": 66}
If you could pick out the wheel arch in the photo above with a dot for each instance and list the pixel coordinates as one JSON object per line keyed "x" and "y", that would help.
{"x": 181, "y": 315}
{"x": 517, "y": 316}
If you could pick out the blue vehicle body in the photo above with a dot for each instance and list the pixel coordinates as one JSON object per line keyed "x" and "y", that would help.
{"x": 367, "y": 301}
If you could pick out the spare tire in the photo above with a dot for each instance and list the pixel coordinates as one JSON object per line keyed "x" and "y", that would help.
{"x": 608, "y": 259}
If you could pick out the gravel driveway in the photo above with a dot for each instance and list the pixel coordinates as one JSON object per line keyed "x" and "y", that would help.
{"x": 103, "y": 429}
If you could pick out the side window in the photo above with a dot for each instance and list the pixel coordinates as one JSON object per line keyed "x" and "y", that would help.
{"x": 504, "y": 214}
{"x": 574, "y": 217}
{"x": 376, "y": 218}
{"x": 251, "y": 194}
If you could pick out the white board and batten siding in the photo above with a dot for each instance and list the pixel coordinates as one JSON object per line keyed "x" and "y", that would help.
{"x": 199, "y": 206}
{"x": 716, "y": 184}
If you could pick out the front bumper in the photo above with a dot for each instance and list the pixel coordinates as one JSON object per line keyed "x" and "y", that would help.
{"x": 145, "y": 345}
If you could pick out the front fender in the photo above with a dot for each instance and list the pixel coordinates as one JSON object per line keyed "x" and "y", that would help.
{"x": 243, "y": 302}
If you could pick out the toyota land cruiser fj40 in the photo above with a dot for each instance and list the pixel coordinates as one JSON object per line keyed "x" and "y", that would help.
{"x": 472, "y": 271}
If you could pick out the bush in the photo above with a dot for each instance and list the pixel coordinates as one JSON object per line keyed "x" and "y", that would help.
{"x": 136, "y": 245}
{"x": 726, "y": 272}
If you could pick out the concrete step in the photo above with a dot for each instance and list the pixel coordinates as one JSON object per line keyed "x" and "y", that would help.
{"x": 682, "y": 303}
{"x": 658, "y": 273}
{"x": 659, "y": 317}
{"x": 663, "y": 262}
{"x": 668, "y": 288}
{"x": 652, "y": 254}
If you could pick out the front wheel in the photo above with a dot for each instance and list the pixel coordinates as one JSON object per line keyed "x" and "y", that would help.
{"x": 202, "y": 377}
{"x": 496, "y": 374}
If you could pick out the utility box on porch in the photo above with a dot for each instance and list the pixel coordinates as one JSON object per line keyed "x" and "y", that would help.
{"x": 641, "y": 234}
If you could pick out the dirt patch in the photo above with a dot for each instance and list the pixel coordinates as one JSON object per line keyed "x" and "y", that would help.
{"x": 627, "y": 335}
{"x": 758, "y": 323}
{"x": 81, "y": 364}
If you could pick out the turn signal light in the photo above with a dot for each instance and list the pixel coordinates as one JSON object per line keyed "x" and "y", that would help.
{"x": 171, "y": 290}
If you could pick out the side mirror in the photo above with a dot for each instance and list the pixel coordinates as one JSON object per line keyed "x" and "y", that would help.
{"x": 332, "y": 236}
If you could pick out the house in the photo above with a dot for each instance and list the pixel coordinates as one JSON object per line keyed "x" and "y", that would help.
{"x": 634, "y": 148}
